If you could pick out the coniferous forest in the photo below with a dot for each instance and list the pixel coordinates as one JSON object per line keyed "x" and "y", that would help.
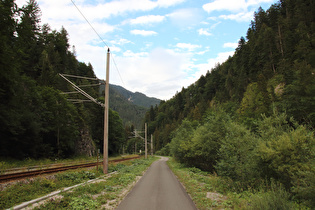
{"x": 36, "y": 119}
{"x": 251, "y": 119}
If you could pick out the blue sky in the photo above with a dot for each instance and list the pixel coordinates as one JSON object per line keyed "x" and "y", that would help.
{"x": 158, "y": 46}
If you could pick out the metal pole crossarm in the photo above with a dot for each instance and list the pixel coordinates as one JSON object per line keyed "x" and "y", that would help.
{"x": 89, "y": 85}
{"x": 80, "y": 77}
{"x": 70, "y": 92}
{"x": 136, "y": 135}
{"x": 81, "y": 91}
{"x": 78, "y": 100}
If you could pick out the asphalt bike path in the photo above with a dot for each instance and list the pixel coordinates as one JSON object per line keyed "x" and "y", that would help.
{"x": 158, "y": 189}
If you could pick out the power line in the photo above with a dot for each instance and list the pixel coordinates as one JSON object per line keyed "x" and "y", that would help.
{"x": 118, "y": 71}
{"x": 100, "y": 39}
{"x": 89, "y": 23}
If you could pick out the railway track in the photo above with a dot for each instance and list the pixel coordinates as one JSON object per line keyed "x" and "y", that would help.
{"x": 35, "y": 172}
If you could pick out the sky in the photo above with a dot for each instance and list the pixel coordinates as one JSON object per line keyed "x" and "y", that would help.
{"x": 157, "y": 46}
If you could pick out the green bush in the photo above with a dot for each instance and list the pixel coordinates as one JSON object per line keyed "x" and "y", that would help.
{"x": 283, "y": 151}
{"x": 277, "y": 149}
{"x": 304, "y": 185}
{"x": 237, "y": 158}
{"x": 181, "y": 143}
{"x": 199, "y": 145}
{"x": 272, "y": 200}
{"x": 165, "y": 151}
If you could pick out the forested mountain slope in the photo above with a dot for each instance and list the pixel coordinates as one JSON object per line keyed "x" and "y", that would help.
{"x": 36, "y": 118}
{"x": 130, "y": 113}
{"x": 272, "y": 68}
{"x": 137, "y": 98}
{"x": 251, "y": 119}
{"x": 130, "y": 106}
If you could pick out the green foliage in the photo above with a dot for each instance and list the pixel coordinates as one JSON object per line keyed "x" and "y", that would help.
{"x": 108, "y": 191}
{"x": 271, "y": 68}
{"x": 299, "y": 97}
{"x": 276, "y": 198}
{"x": 181, "y": 143}
{"x": 75, "y": 177}
{"x": 130, "y": 110}
{"x": 253, "y": 103}
{"x": 209, "y": 136}
{"x": 22, "y": 192}
{"x": 199, "y": 146}
{"x": 209, "y": 191}
{"x": 237, "y": 158}
{"x": 304, "y": 185}
{"x": 165, "y": 151}
{"x": 28, "y": 190}
{"x": 284, "y": 152}
{"x": 280, "y": 149}
{"x": 199, "y": 183}
{"x": 36, "y": 121}
{"x": 83, "y": 202}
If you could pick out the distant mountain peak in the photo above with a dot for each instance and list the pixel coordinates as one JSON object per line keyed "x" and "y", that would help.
{"x": 136, "y": 98}
{"x": 130, "y": 106}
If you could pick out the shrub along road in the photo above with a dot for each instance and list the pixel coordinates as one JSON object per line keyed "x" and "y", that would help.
{"x": 158, "y": 189}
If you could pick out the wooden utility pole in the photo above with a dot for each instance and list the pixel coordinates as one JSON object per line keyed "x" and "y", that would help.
{"x": 151, "y": 144}
{"x": 145, "y": 141}
{"x": 105, "y": 152}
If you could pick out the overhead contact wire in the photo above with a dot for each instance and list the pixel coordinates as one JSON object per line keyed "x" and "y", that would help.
{"x": 89, "y": 23}
{"x": 100, "y": 39}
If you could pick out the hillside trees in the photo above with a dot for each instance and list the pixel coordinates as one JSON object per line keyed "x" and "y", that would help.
{"x": 254, "y": 113}
{"x": 36, "y": 119}
{"x": 280, "y": 151}
{"x": 272, "y": 68}
{"x": 283, "y": 150}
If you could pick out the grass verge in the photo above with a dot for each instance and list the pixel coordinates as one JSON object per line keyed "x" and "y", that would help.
{"x": 90, "y": 195}
{"x": 209, "y": 191}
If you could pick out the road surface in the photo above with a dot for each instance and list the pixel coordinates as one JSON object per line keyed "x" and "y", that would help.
{"x": 158, "y": 189}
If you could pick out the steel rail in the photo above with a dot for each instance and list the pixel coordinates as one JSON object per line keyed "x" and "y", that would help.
{"x": 27, "y": 174}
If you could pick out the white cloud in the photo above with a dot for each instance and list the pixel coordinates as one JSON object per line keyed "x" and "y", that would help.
{"x": 205, "y": 32}
{"x": 230, "y": 45}
{"x": 148, "y": 19}
{"x": 143, "y": 32}
{"x": 119, "y": 7}
{"x": 121, "y": 41}
{"x": 104, "y": 9}
{"x": 232, "y": 6}
{"x": 204, "y": 51}
{"x": 211, "y": 63}
{"x": 185, "y": 18}
{"x": 129, "y": 53}
{"x": 187, "y": 46}
{"x": 257, "y": 2}
{"x": 239, "y": 17}
{"x": 159, "y": 73}
{"x": 168, "y": 3}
